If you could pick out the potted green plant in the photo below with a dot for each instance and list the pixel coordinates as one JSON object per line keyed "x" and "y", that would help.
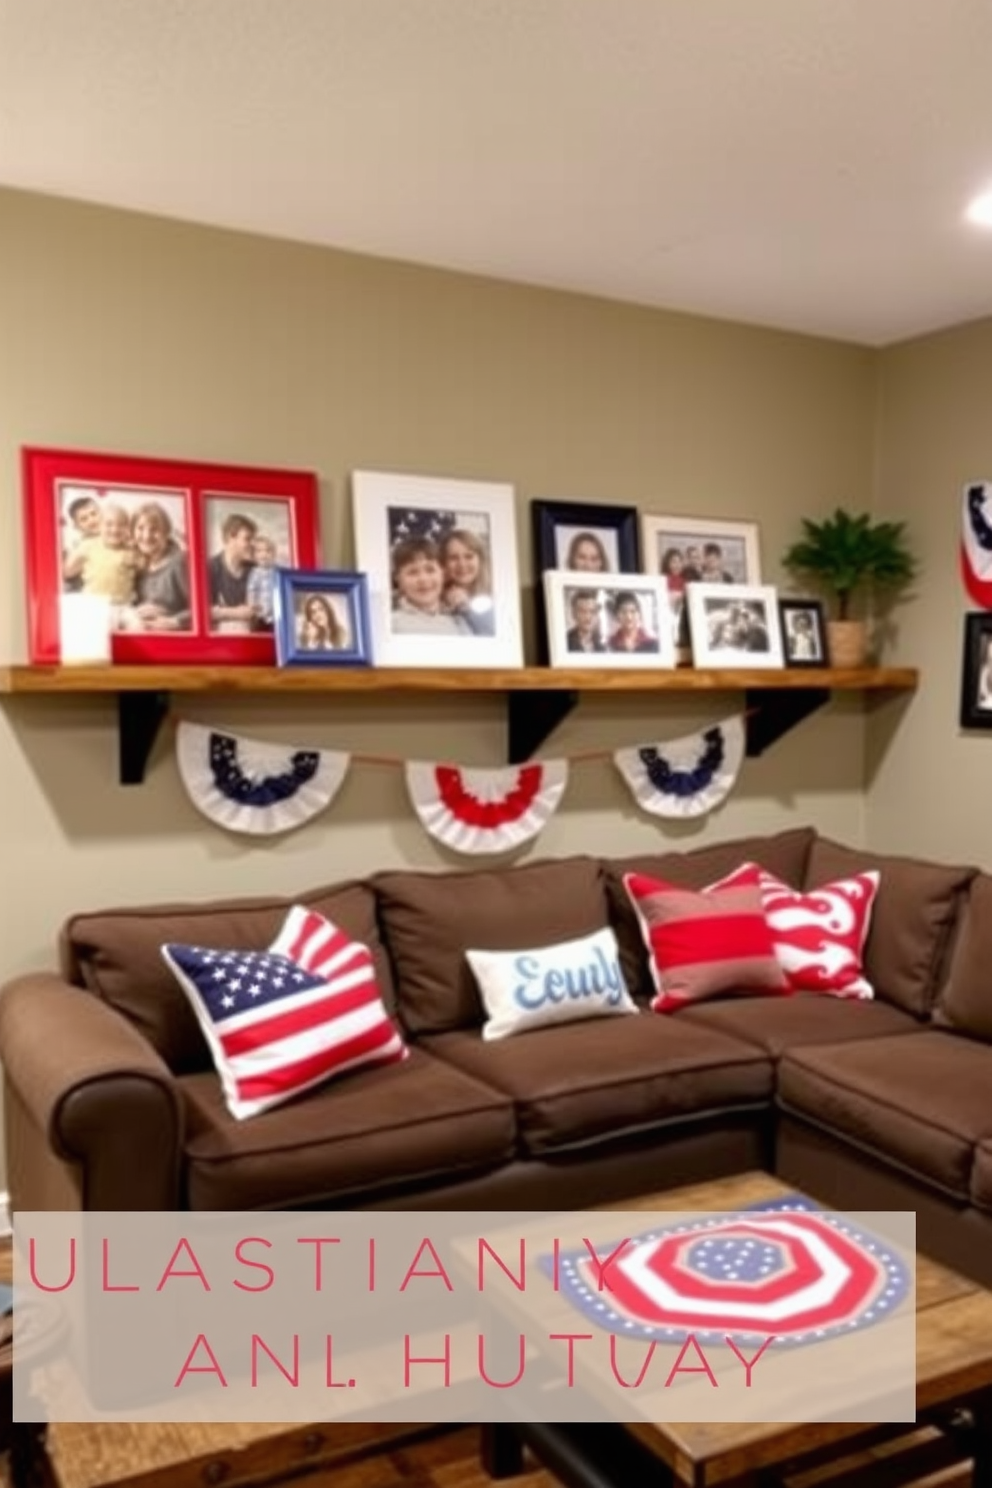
{"x": 846, "y": 555}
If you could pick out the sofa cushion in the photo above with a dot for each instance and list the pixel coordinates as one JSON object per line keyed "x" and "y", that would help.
{"x": 912, "y": 922}
{"x": 965, "y": 1000}
{"x": 783, "y": 854}
{"x": 981, "y": 1176}
{"x": 429, "y": 921}
{"x": 402, "y": 1123}
{"x": 117, "y": 954}
{"x": 588, "y": 1082}
{"x": 777, "y": 1024}
{"x": 705, "y": 945}
{"x": 920, "y": 1101}
{"x": 280, "y": 1021}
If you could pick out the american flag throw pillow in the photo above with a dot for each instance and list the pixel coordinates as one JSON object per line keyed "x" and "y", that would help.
{"x": 285, "y": 1019}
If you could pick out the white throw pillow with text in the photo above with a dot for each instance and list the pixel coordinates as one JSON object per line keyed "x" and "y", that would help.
{"x": 522, "y": 990}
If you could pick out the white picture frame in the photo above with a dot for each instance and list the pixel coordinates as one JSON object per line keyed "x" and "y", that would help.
{"x": 735, "y": 625}
{"x": 738, "y": 560}
{"x": 587, "y": 620}
{"x": 462, "y": 523}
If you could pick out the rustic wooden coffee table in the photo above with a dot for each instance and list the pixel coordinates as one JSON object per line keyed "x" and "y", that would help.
{"x": 953, "y": 1396}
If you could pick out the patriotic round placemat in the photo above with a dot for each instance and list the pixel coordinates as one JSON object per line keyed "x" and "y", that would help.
{"x": 478, "y": 811}
{"x": 688, "y": 776}
{"x": 976, "y": 542}
{"x": 246, "y": 785}
{"x": 787, "y": 1270}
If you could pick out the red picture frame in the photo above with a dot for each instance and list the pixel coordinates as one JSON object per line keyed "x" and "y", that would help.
{"x": 174, "y": 544}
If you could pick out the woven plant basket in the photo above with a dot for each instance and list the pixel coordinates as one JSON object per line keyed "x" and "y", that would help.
{"x": 848, "y": 643}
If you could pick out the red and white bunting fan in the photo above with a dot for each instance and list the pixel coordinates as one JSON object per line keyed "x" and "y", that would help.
{"x": 477, "y": 811}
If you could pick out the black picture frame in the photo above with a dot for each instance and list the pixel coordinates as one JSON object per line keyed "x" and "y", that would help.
{"x": 797, "y": 639}
{"x": 976, "y": 671}
{"x": 614, "y": 528}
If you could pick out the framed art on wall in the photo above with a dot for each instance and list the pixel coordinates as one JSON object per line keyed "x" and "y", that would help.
{"x": 322, "y": 618}
{"x": 734, "y": 625}
{"x": 181, "y": 555}
{"x": 441, "y": 559}
{"x": 976, "y": 671}
{"x": 616, "y": 620}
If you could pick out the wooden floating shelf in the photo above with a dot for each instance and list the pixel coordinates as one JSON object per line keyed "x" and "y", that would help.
{"x": 538, "y": 698}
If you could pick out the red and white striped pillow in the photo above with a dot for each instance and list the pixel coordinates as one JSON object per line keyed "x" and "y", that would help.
{"x": 283, "y": 1020}
{"x": 705, "y": 944}
{"x": 819, "y": 935}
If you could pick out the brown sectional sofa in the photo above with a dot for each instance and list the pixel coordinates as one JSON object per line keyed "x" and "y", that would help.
{"x": 112, "y": 1102}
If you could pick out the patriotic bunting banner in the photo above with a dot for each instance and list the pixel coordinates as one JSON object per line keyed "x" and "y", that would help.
{"x": 685, "y": 777}
{"x": 485, "y": 811}
{"x": 257, "y": 788}
{"x": 976, "y": 542}
{"x": 253, "y": 787}
{"x": 785, "y": 1271}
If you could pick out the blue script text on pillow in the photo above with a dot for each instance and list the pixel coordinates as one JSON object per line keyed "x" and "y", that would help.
{"x": 600, "y": 977}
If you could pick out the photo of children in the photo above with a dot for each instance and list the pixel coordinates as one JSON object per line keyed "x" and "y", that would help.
{"x": 587, "y": 549}
{"x": 624, "y": 622}
{"x": 127, "y": 545}
{"x": 246, "y": 539}
{"x": 611, "y": 620}
{"x": 440, "y": 572}
{"x": 321, "y": 623}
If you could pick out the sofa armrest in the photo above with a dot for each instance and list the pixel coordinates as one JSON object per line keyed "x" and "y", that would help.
{"x": 85, "y": 1089}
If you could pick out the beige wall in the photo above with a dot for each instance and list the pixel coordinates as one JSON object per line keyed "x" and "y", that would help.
{"x": 130, "y": 334}
{"x": 929, "y": 780}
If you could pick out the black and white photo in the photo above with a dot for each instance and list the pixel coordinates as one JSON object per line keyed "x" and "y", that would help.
{"x": 734, "y": 625}
{"x": 804, "y": 633}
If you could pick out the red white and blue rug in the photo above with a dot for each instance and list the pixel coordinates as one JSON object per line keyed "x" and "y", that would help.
{"x": 785, "y": 1269}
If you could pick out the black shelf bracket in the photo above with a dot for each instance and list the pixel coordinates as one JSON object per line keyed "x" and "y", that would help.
{"x": 140, "y": 716}
{"x": 531, "y": 717}
{"x": 773, "y": 713}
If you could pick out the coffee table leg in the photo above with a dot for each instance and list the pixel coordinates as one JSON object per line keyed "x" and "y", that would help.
{"x": 29, "y": 1463}
{"x": 981, "y": 1412}
{"x": 502, "y": 1451}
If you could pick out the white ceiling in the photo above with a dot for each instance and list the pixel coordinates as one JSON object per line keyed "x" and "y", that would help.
{"x": 793, "y": 163}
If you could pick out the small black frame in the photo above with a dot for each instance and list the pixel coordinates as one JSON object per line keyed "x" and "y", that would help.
{"x": 804, "y": 633}
{"x": 976, "y": 671}
{"x": 619, "y": 525}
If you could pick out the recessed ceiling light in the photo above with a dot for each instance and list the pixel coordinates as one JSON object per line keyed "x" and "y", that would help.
{"x": 979, "y": 210}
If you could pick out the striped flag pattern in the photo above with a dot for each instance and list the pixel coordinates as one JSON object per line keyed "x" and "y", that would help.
{"x": 285, "y": 1019}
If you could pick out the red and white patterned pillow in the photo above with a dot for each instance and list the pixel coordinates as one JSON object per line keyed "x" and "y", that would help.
{"x": 705, "y": 944}
{"x": 819, "y": 935}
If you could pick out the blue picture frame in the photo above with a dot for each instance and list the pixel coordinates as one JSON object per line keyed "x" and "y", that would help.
{"x": 322, "y": 618}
